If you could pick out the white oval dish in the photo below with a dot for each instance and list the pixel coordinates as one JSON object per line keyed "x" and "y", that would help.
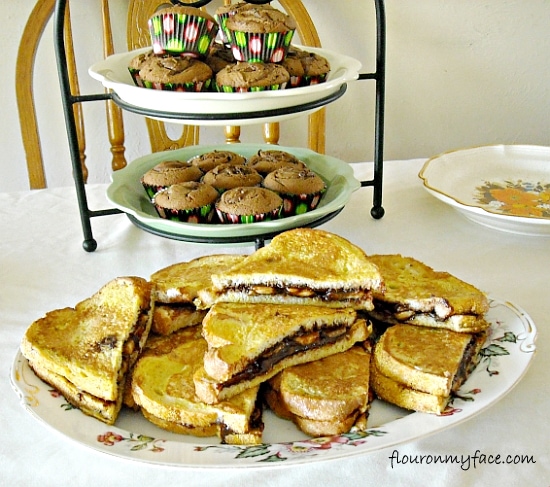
{"x": 113, "y": 73}
{"x": 506, "y": 357}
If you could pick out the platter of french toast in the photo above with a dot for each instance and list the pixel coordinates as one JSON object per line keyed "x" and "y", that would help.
{"x": 306, "y": 349}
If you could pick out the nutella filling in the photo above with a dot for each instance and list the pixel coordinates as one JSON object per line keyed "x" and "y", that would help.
{"x": 304, "y": 292}
{"x": 469, "y": 361}
{"x": 302, "y": 341}
{"x": 255, "y": 424}
{"x": 401, "y": 312}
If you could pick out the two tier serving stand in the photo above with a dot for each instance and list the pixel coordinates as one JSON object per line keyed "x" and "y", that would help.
{"x": 69, "y": 100}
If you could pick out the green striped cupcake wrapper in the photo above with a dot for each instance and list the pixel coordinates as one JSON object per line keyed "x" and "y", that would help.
{"x": 254, "y": 48}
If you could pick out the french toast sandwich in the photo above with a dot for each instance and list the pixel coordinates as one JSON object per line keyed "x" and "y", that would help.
{"x": 417, "y": 294}
{"x": 250, "y": 343}
{"x": 86, "y": 352}
{"x": 300, "y": 266}
{"x": 419, "y": 368}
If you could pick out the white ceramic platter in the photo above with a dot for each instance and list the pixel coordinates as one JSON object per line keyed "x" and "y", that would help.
{"x": 506, "y": 357}
{"x": 505, "y": 187}
{"x": 127, "y": 194}
{"x": 113, "y": 74}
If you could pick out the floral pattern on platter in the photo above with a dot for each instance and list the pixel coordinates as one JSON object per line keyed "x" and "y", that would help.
{"x": 279, "y": 452}
{"x": 516, "y": 198}
{"x": 135, "y": 442}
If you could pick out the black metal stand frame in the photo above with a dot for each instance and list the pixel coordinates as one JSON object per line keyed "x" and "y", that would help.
{"x": 69, "y": 100}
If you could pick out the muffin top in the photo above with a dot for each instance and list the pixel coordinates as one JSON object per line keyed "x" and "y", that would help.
{"x": 303, "y": 63}
{"x": 186, "y": 196}
{"x": 291, "y": 180}
{"x": 219, "y": 57}
{"x": 266, "y": 161}
{"x": 249, "y": 201}
{"x": 232, "y": 8}
{"x": 247, "y": 75}
{"x": 173, "y": 69}
{"x": 227, "y": 176}
{"x": 209, "y": 160}
{"x": 259, "y": 19}
{"x": 137, "y": 61}
{"x": 183, "y": 10}
{"x": 171, "y": 172}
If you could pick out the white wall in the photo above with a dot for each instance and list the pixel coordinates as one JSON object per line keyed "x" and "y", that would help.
{"x": 459, "y": 73}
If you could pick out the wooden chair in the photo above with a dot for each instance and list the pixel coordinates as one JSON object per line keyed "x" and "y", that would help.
{"x": 137, "y": 36}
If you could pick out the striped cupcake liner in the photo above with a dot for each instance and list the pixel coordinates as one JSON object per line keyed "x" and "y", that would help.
{"x": 173, "y": 33}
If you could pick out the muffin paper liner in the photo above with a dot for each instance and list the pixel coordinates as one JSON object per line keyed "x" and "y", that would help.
{"x": 196, "y": 86}
{"x": 136, "y": 77}
{"x": 173, "y": 33}
{"x": 222, "y": 21}
{"x": 252, "y": 47}
{"x": 152, "y": 190}
{"x": 297, "y": 81}
{"x": 203, "y": 214}
{"x": 298, "y": 204}
{"x": 243, "y": 219}
{"x": 250, "y": 89}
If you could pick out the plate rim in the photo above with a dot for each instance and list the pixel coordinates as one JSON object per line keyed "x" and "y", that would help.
{"x": 526, "y": 349}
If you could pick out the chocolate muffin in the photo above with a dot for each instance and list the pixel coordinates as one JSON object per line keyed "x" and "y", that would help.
{"x": 223, "y": 12}
{"x": 305, "y": 68}
{"x": 244, "y": 77}
{"x": 248, "y": 205}
{"x": 192, "y": 202}
{"x": 209, "y": 160}
{"x": 167, "y": 173}
{"x": 260, "y": 34}
{"x": 301, "y": 189}
{"x": 175, "y": 74}
{"x": 219, "y": 57}
{"x": 266, "y": 161}
{"x": 135, "y": 65}
{"x": 228, "y": 176}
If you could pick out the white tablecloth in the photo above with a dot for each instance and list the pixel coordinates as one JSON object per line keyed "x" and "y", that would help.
{"x": 43, "y": 267}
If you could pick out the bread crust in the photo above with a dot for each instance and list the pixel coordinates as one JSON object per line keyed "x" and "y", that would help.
{"x": 106, "y": 411}
{"x": 327, "y": 397}
{"x": 424, "y": 359}
{"x": 419, "y": 368}
{"x": 85, "y": 344}
{"x": 400, "y": 395}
